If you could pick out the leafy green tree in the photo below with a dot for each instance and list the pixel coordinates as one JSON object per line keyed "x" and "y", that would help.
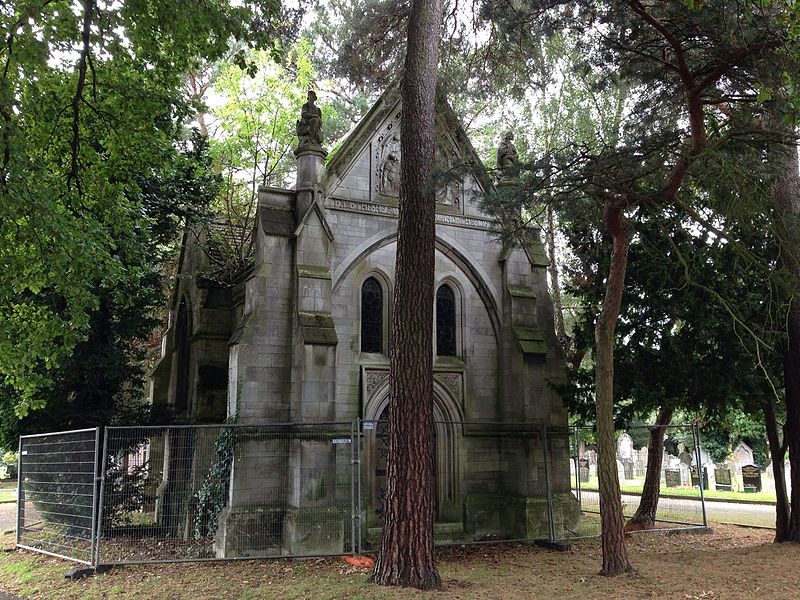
{"x": 90, "y": 102}
{"x": 102, "y": 380}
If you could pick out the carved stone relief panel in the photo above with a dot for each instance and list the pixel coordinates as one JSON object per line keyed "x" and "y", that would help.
{"x": 386, "y": 176}
{"x": 448, "y": 190}
{"x": 373, "y": 378}
{"x": 387, "y": 159}
{"x": 453, "y": 382}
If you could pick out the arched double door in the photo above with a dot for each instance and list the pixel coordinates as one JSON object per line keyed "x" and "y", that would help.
{"x": 447, "y": 466}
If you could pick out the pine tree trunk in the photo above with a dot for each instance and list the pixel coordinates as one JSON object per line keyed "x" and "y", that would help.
{"x": 645, "y": 515}
{"x": 787, "y": 200}
{"x": 406, "y": 552}
{"x": 778, "y": 452}
{"x": 615, "y": 557}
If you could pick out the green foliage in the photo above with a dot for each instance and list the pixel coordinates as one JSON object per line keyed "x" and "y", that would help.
{"x": 212, "y": 496}
{"x": 90, "y": 105}
{"x": 101, "y": 380}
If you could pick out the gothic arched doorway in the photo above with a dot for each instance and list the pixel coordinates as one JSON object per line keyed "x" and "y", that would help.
{"x": 447, "y": 471}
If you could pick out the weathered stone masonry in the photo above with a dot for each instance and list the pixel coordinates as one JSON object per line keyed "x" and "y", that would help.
{"x": 287, "y": 341}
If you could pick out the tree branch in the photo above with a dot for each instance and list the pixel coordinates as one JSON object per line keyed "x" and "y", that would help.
{"x": 83, "y": 61}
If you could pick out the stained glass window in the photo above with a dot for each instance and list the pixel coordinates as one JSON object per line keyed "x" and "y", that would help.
{"x": 371, "y": 316}
{"x": 445, "y": 321}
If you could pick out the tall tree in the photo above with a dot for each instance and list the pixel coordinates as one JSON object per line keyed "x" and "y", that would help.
{"x": 406, "y": 552}
{"x": 694, "y": 73}
{"x": 787, "y": 216}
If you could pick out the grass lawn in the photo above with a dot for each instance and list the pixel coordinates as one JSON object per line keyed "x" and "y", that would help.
{"x": 8, "y": 495}
{"x": 688, "y": 491}
{"x": 732, "y": 562}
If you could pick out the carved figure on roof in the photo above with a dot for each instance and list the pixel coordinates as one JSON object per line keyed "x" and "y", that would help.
{"x": 507, "y": 157}
{"x": 309, "y": 126}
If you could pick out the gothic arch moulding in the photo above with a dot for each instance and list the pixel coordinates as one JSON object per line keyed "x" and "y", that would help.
{"x": 448, "y": 247}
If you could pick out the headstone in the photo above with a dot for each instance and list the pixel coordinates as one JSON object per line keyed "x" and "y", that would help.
{"x": 704, "y": 456}
{"x": 686, "y": 458}
{"x": 683, "y": 468}
{"x": 620, "y": 471}
{"x": 583, "y": 470}
{"x": 640, "y": 466}
{"x": 628, "y": 467}
{"x": 672, "y": 477}
{"x": 743, "y": 454}
{"x": 722, "y": 476}
{"x": 751, "y": 478}
{"x": 696, "y": 477}
{"x": 625, "y": 447}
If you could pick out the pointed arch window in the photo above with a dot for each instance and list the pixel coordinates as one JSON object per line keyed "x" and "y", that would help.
{"x": 371, "y": 316}
{"x": 445, "y": 321}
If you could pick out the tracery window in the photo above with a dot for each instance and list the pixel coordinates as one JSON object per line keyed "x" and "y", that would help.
{"x": 371, "y": 316}
{"x": 445, "y": 321}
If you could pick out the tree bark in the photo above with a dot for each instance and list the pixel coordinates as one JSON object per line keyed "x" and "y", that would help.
{"x": 406, "y": 552}
{"x": 786, "y": 194}
{"x": 615, "y": 557}
{"x": 645, "y": 515}
{"x": 777, "y": 451}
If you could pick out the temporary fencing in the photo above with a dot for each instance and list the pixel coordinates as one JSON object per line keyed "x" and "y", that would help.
{"x": 183, "y": 493}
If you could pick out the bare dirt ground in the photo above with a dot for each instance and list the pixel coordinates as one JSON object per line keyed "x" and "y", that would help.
{"x": 731, "y": 563}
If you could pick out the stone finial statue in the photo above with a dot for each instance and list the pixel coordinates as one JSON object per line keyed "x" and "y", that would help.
{"x": 309, "y": 126}
{"x": 507, "y": 157}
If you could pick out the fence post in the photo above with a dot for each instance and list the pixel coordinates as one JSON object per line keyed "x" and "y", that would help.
{"x": 20, "y": 493}
{"x": 696, "y": 435}
{"x": 577, "y": 466}
{"x": 95, "y": 491}
{"x": 352, "y": 488}
{"x": 551, "y": 528}
{"x": 101, "y": 493}
{"x": 359, "y": 437}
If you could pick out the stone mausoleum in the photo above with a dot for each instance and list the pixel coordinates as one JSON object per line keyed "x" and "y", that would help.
{"x": 304, "y": 334}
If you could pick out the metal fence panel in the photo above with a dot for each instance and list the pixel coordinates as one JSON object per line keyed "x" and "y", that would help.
{"x": 492, "y": 482}
{"x": 681, "y": 504}
{"x": 193, "y": 493}
{"x": 56, "y": 505}
{"x": 227, "y": 492}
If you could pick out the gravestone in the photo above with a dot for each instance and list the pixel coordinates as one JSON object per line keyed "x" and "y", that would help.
{"x": 583, "y": 470}
{"x": 743, "y": 454}
{"x": 640, "y": 468}
{"x": 705, "y": 458}
{"x": 620, "y": 471}
{"x": 672, "y": 477}
{"x": 722, "y": 476}
{"x": 625, "y": 454}
{"x": 686, "y": 477}
{"x": 696, "y": 477}
{"x": 686, "y": 458}
{"x": 751, "y": 478}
